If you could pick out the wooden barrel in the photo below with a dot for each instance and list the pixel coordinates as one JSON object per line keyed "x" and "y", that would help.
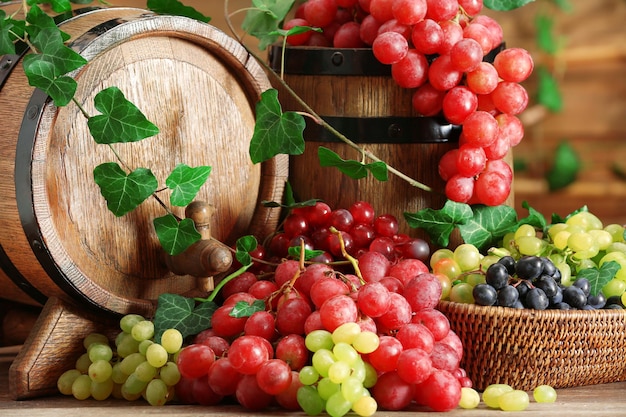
{"x": 200, "y": 87}
{"x": 355, "y": 94}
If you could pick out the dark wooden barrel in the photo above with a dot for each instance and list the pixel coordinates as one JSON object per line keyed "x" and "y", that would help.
{"x": 354, "y": 93}
{"x": 200, "y": 87}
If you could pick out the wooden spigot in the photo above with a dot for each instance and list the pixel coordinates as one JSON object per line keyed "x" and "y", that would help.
{"x": 205, "y": 258}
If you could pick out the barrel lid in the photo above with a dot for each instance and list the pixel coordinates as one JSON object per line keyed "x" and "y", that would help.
{"x": 200, "y": 87}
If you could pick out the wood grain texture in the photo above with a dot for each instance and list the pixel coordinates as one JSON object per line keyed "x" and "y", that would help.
{"x": 200, "y": 87}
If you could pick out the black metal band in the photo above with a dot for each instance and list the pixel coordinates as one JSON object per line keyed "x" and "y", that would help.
{"x": 385, "y": 130}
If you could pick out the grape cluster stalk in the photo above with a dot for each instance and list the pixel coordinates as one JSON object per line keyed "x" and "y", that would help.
{"x": 437, "y": 48}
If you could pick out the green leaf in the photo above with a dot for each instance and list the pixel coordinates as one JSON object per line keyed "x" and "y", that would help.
{"x": 353, "y": 169}
{"x": 61, "y": 88}
{"x": 264, "y": 19}
{"x": 123, "y": 192}
{"x": 243, "y": 247}
{"x": 439, "y": 224}
{"x": 534, "y": 218}
{"x": 548, "y": 92}
{"x": 558, "y": 219}
{"x": 245, "y": 309}
{"x": 294, "y": 252}
{"x": 488, "y": 225}
{"x": 598, "y": 278}
{"x": 565, "y": 167}
{"x": 38, "y": 19}
{"x": 185, "y": 182}
{"x": 505, "y": 5}
{"x": 176, "y": 8}
{"x": 58, "y": 6}
{"x": 120, "y": 122}
{"x": 177, "y": 312}
{"x": 544, "y": 25}
{"x": 175, "y": 237}
{"x": 296, "y": 30}
{"x": 7, "y": 47}
{"x": 564, "y": 5}
{"x": 275, "y": 132}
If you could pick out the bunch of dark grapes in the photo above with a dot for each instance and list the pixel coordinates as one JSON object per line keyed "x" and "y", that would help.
{"x": 437, "y": 48}
{"x": 535, "y": 282}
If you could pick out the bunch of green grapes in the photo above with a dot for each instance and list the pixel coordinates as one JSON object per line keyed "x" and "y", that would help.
{"x": 338, "y": 379}
{"x": 136, "y": 367}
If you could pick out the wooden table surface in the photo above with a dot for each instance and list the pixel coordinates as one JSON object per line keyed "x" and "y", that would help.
{"x": 597, "y": 400}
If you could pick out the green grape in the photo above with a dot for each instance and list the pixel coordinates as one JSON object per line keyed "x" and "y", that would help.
{"x": 345, "y": 353}
{"x": 614, "y": 288}
{"x": 462, "y": 293}
{"x": 100, "y": 351}
{"x": 338, "y": 372}
{"x": 515, "y": 400}
{"x": 566, "y": 273}
{"x": 560, "y": 239}
{"x": 530, "y": 245}
{"x": 129, "y": 396}
{"x": 602, "y": 238}
{"x": 616, "y": 231}
{"x": 337, "y": 405}
{"x": 128, "y": 321}
{"x": 145, "y": 372}
{"x": 94, "y": 338}
{"x": 467, "y": 257}
{"x": 371, "y": 375}
{"x": 131, "y": 362}
{"x": 308, "y": 375}
{"x": 584, "y": 263}
{"x": 117, "y": 375}
{"x": 172, "y": 340}
{"x": 358, "y": 370}
{"x": 134, "y": 385}
{"x": 580, "y": 241}
{"x": 619, "y": 247}
{"x": 143, "y": 330}
{"x": 352, "y": 389}
{"x": 319, "y": 339}
{"x": 156, "y": 392}
{"x": 554, "y": 229}
{"x": 469, "y": 398}
{"x": 346, "y": 333}
{"x": 143, "y": 346}
{"x": 365, "y": 406}
{"x": 585, "y": 220}
{"x": 508, "y": 243}
{"x": 544, "y": 394}
{"x": 81, "y": 387}
{"x": 366, "y": 342}
{"x": 524, "y": 230}
{"x": 101, "y": 390}
{"x": 623, "y": 298}
{"x": 156, "y": 355}
{"x": 475, "y": 279}
{"x": 493, "y": 392}
{"x": 326, "y": 388}
{"x": 126, "y": 345}
{"x": 310, "y": 401}
{"x": 65, "y": 381}
{"x": 100, "y": 370}
{"x": 440, "y": 254}
{"x": 170, "y": 374}
{"x": 618, "y": 257}
{"x": 587, "y": 254}
{"x": 82, "y": 363}
{"x": 487, "y": 261}
{"x": 322, "y": 360}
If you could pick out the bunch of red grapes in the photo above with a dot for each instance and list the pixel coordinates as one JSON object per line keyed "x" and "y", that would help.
{"x": 437, "y": 48}
{"x": 407, "y": 354}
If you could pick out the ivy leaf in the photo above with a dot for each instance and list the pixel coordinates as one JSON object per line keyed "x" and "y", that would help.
{"x": 120, "y": 122}
{"x": 558, "y": 219}
{"x": 185, "y": 182}
{"x": 488, "y": 225}
{"x": 61, "y": 89}
{"x": 505, "y": 5}
{"x": 177, "y": 312}
{"x": 599, "y": 277}
{"x": 534, "y": 218}
{"x": 548, "y": 92}
{"x": 58, "y": 6}
{"x": 175, "y": 237}
{"x": 439, "y": 224}
{"x": 544, "y": 25}
{"x": 245, "y": 309}
{"x": 37, "y": 20}
{"x": 176, "y": 8}
{"x": 564, "y": 168}
{"x": 122, "y": 192}
{"x": 264, "y": 19}
{"x": 243, "y": 247}
{"x": 7, "y": 47}
{"x": 294, "y": 252}
{"x": 275, "y": 132}
{"x": 353, "y": 169}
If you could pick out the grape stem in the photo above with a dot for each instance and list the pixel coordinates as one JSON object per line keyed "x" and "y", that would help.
{"x": 314, "y": 115}
{"x": 345, "y": 254}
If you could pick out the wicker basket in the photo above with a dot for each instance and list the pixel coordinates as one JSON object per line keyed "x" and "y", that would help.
{"x": 527, "y": 348}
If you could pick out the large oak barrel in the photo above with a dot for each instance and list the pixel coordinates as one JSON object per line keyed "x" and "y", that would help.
{"x": 200, "y": 87}
{"x": 357, "y": 96}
